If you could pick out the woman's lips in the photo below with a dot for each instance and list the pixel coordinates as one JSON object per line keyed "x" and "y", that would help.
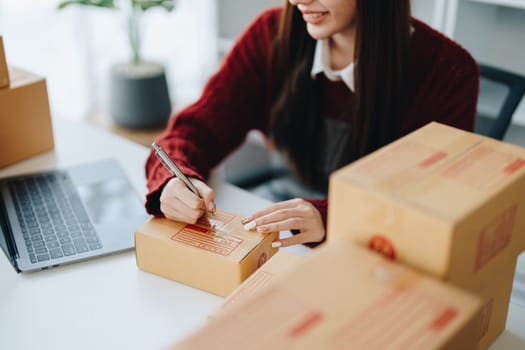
{"x": 314, "y": 17}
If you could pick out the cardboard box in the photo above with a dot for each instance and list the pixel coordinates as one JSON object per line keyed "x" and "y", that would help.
{"x": 4, "y": 74}
{"x": 25, "y": 119}
{"x": 278, "y": 265}
{"x": 215, "y": 255}
{"x": 346, "y": 297}
{"x": 448, "y": 202}
{"x": 496, "y": 298}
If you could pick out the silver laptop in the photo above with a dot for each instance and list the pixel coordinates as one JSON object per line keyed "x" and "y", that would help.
{"x": 61, "y": 216}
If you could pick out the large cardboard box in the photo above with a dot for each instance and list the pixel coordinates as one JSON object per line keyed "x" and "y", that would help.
{"x": 25, "y": 119}
{"x": 346, "y": 297}
{"x": 215, "y": 255}
{"x": 448, "y": 202}
{"x": 278, "y": 265}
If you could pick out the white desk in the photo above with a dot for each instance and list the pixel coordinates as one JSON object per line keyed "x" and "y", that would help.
{"x": 108, "y": 303}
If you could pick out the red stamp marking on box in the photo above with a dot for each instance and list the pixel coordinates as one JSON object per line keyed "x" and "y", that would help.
{"x": 262, "y": 259}
{"x": 444, "y": 318}
{"x": 214, "y": 241}
{"x": 495, "y": 236}
{"x": 197, "y": 228}
{"x": 433, "y": 159}
{"x": 484, "y": 168}
{"x": 486, "y": 312}
{"x": 514, "y": 166}
{"x": 381, "y": 324}
{"x": 308, "y": 322}
{"x": 382, "y": 245}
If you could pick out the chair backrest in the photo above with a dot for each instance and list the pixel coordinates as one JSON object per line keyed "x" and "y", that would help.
{"x": 516, "y": 84}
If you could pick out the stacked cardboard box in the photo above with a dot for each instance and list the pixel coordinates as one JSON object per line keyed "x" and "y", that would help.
{"x": 25, "y": 118}
{"x": 445, "y": 201}
{"x": 216, "y": 254}
{"x": 346, "y": 297}
{"x": 278, "y": 265}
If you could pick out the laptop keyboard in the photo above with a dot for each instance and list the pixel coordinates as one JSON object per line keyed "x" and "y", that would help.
{"x": 53, "y": 220}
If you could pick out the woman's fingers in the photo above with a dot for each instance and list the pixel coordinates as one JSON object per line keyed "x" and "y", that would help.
{"x": 295, "y": 214}
{"x": 307, "y": 236}
{"x": 179, "y": 211}
{"x": 281, "y": 225}
{"x": 296, "y": 239}
{"x": 176, "y": 190}
{"x": 273, "y": 208}
{"x": 207, "y": 194}
{"x": 177, "y": 202}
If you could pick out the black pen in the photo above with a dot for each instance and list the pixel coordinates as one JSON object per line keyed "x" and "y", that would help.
{"x": 173, "y": 168}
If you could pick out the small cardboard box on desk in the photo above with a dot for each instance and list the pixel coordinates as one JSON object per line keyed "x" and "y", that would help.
{"x": 25, "y": 119}
{"x": 345, "y": 297}
{"x": 448, "y": 202}
{"x": 216, "y": 254}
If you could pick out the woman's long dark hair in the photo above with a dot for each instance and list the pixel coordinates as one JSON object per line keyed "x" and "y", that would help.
{"x": 381, "y": 54}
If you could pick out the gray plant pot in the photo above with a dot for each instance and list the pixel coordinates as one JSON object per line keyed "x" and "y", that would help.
{"x": 138, "y": 97}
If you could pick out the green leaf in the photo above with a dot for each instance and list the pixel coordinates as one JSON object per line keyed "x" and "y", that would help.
{"x": 145, "y": 5}
{"x": 96, "y": 3}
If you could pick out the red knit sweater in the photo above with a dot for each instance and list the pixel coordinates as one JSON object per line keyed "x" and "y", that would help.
{"x": 443, "y": 86}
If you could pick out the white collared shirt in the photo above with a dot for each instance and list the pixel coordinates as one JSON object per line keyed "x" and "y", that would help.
{"x": 321, "y": 64}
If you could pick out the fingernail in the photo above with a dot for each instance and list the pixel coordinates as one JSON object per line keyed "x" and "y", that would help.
{"x": 245, "y": 219}
{"x": 276, "y": 244}
{"x": 250, "y": 226}
{"x": 212, "y": 207}
{"x": 262, "y": 229}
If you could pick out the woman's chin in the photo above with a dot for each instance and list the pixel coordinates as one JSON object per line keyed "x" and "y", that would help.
{"x": 317, "y": 33}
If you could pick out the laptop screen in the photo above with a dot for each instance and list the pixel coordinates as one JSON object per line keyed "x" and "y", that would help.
{"x": 4, "y": 232}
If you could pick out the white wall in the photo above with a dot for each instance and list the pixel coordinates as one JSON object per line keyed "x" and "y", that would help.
{"x": 74, "y": 48}
{"x": 234, "y": 15}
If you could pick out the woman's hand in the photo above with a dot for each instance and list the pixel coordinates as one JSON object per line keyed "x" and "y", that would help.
{"x": 178, "y": 203}
{"x": 294, "y": 214}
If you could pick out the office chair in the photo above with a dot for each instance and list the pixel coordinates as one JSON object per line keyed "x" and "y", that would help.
{"x": 497, "y": 127}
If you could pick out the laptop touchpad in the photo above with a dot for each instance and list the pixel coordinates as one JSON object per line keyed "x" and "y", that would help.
{"x": 107, "y": 193}
{"x": 110, "y": 200}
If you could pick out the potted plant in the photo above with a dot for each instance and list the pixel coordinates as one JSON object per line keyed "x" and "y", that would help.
{"x": 138, "y": 96}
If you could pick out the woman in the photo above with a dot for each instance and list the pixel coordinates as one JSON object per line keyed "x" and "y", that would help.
{"x": 328, "y": 81}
